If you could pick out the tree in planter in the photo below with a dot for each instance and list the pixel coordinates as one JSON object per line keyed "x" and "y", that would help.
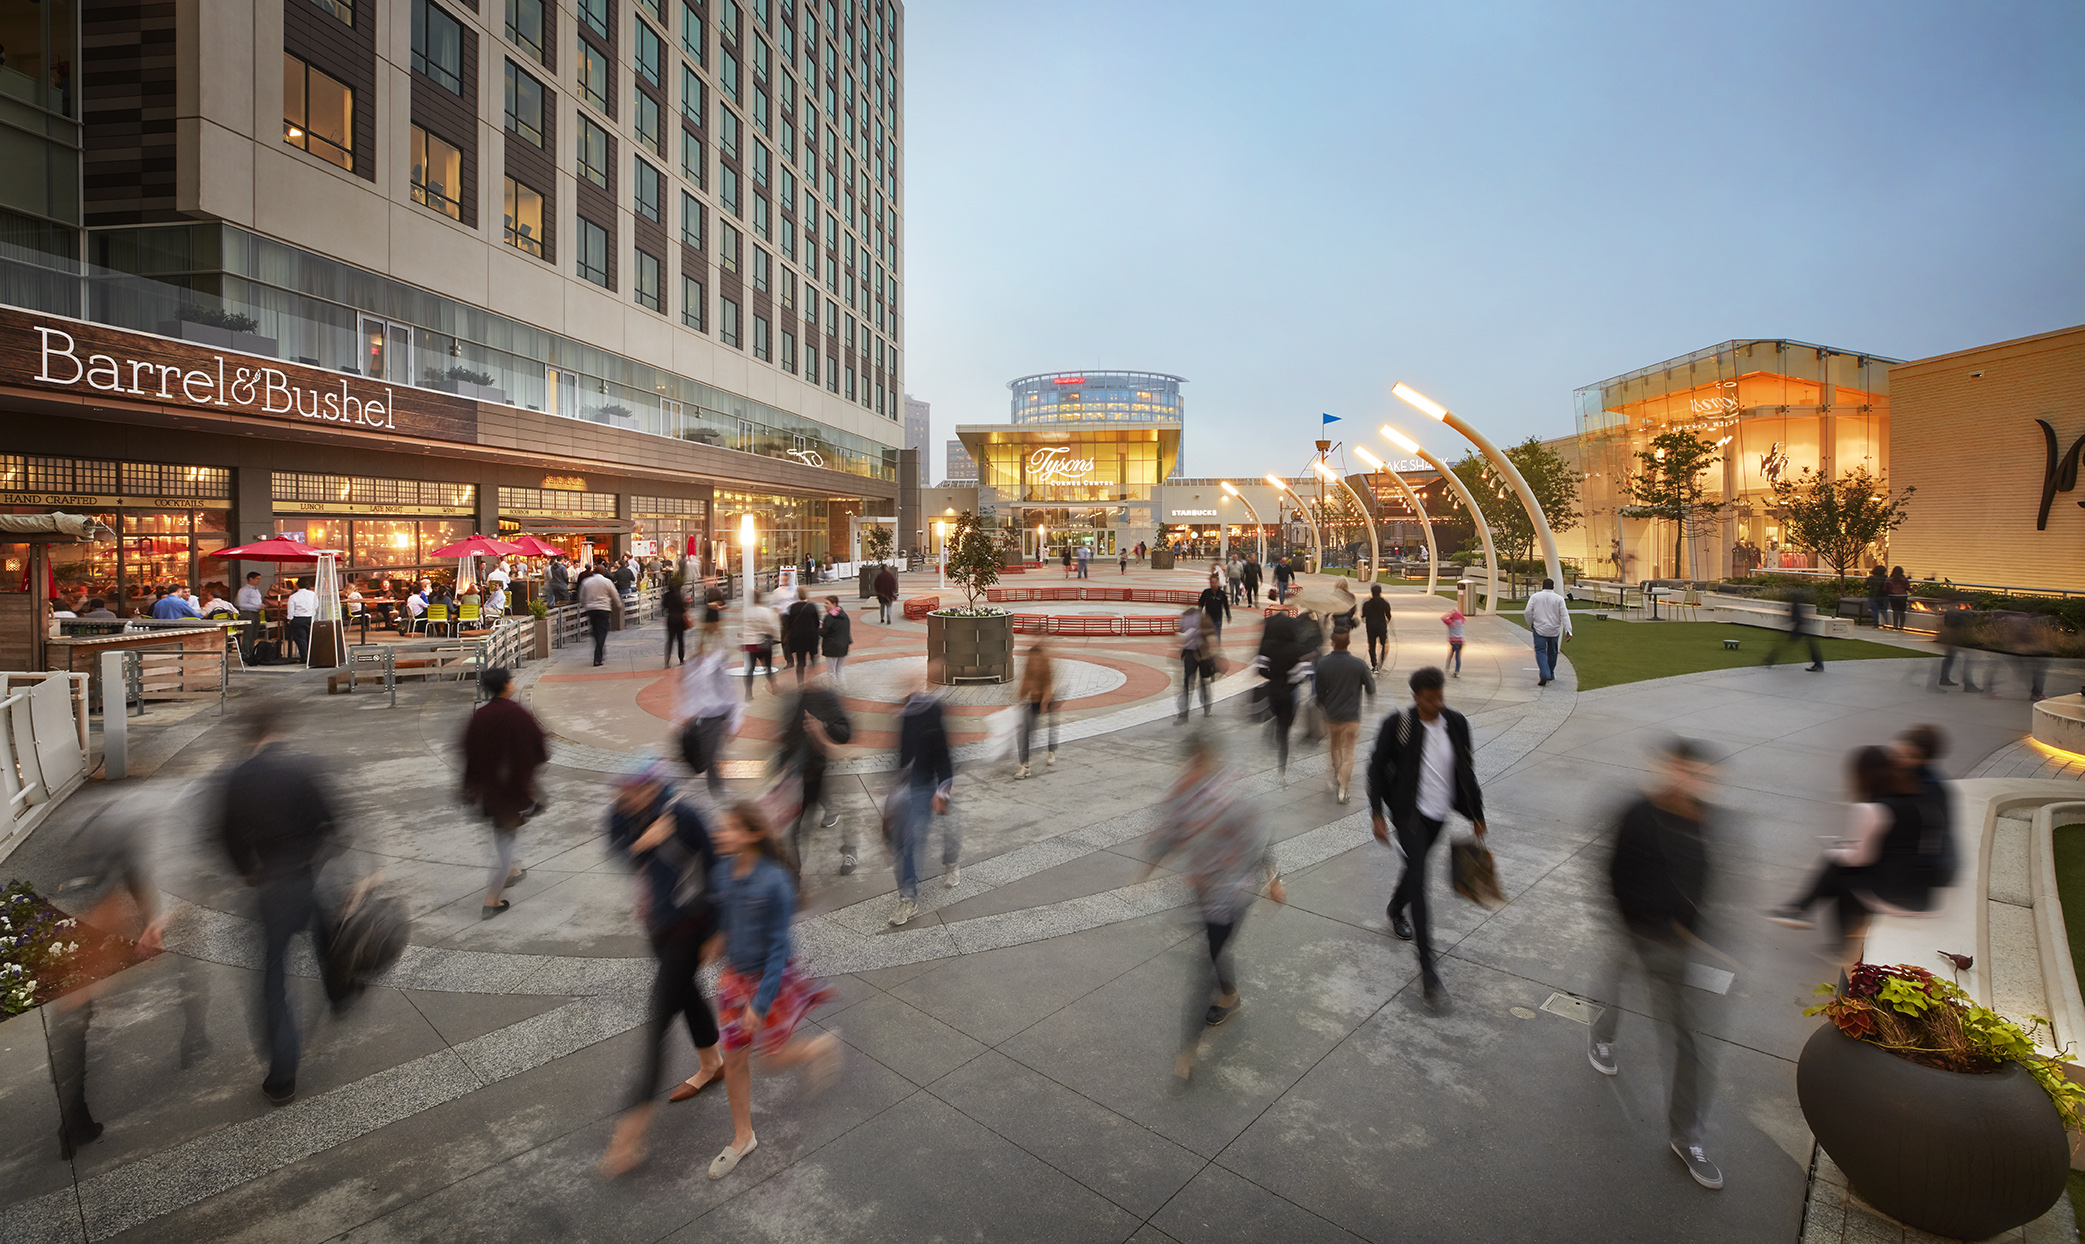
{"x": 1552, "y": 479}
{"x": 1837, "y": 519}
{"x": 877, "y": 541}
{"x": 1669, "y": 484}
{"x": 973, "y": 564}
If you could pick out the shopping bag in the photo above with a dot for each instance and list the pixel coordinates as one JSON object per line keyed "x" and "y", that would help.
{"x": 1002, "y": 729}
{"x": 1475, "y": 873}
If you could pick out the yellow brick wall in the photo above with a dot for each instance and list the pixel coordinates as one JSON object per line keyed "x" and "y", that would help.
{"x": 1971, "y": 447}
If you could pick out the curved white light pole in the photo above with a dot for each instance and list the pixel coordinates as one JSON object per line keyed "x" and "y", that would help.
{"x": 1491, "y": 556}
{"x": 747, "y": 537}
{"x": 1500, "y": 463}
{"x": 1433, "y": 554}
{"x": 1317, "y": 545}
{"x": 1258, "y": 529}
{"x": 1375, "y": 551}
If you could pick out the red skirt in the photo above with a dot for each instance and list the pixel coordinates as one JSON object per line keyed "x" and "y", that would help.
{"x": 735, "y": 993}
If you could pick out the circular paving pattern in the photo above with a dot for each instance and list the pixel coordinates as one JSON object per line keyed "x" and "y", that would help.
{"x": 890, "y": 681}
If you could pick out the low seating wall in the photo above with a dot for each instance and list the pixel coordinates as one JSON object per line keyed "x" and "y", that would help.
{"x": 1126, "y": 595}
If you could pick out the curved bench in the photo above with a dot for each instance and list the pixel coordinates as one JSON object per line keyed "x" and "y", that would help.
{"x": 918, "y": 607}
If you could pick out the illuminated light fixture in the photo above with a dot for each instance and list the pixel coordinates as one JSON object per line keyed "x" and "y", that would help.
{"x": 1317, "y": 542}
{"x": 1374, "y": 463}
{"x": 746, "y": 535}
{"x": 1399, "y": 439}
{"x": 1277, "y": 481}
{"x": 1469, "y": 502}
{"x": 1725, "y": 441}
{"x": 1419, "y": 400}
{"x": 1227, "y": 487}
{"x": 1258, "y": 529}
{"x": 1375, "y": 550}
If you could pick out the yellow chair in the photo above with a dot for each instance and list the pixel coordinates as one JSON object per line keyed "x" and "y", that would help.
{"x": 1691, "y": 600}
{"x": 436, "y": 615}
{"x": 470, "y": 615}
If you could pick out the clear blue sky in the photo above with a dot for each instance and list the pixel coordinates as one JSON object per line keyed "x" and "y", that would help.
{"x": 1294, "y": 205}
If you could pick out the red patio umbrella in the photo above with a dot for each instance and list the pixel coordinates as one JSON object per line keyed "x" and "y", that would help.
{"x": 478, "y": 546}
{"x": 529, "y": 546}
{"x": 273, "y": 549}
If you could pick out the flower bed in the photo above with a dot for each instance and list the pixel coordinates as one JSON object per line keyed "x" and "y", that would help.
{"x": 44, "y": 952}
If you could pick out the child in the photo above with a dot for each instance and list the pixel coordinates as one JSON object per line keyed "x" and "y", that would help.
{"x": 1454, "y": 618}
{"x": 1124, "y": 561}
{"x": 761, "y": 996}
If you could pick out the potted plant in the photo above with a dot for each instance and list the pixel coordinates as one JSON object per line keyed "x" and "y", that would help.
{"x": 876, "y": 544}
{"x": 540, "y": 613}
{"x": 1942, "y": 1112}
{"x": 974, "y": 642}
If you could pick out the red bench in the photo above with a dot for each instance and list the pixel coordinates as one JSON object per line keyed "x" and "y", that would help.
{"x": 917, "y": 607}
{"x": 1149, "y": 626}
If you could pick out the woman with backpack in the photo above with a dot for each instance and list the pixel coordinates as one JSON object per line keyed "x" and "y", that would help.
{"x": 664, "y": 839}
{"x": 1883, "y": 864}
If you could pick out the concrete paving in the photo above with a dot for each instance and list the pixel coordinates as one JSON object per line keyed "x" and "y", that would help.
{"x": 1009, "y": 1050}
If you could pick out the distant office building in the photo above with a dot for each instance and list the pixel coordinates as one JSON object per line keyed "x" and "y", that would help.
{"x": 1115, "y": 397}
{"x": 917, "y": 424}
{"x": 962, "y": 468}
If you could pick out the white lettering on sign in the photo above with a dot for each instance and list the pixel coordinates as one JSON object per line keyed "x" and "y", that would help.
{"x": 264, "y": 389}
{"x": 809, "y": 457}
{"x": 1193, "y": 513}
{"x": 1053, "y": 464}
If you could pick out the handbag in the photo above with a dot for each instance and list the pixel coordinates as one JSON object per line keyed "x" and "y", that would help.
{"x": 1475, "y": 872}
{"x": 369, "y": 938}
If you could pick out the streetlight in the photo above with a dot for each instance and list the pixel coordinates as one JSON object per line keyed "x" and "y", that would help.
{"x": 746, "y": 539}
{"x": 1500, "y": 463}
{"x": 1375, "y": 551}
{"x": 1491, "y": 557}
{"x": 1256, "y": 526}
{"x": 941, "y": 534}
{"x": 1317, "y": 545}
{"x": 1042, "y": 543}
{"x": 1433, "y": 554}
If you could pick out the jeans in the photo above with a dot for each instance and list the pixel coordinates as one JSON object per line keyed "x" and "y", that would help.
{"x": 1190, "y": 670}
{"x": 1343, "y": 735}
{"x": 764, "y": 655}
{"x": 1947, "y": 668}
{"x": 1212, "y": 978}
{"x": 675, "y": 991}
{"x": 1665, "y": 972}
{"x": 910, "y": 835}
{"x": 1546, "y": 649}
{"x": 504, "y": 845}
{"x": 1033, "y": 713}
{"x": 1378, "y": 646}
{"x": 1237, "y": 592}
{"x": 288, "y": 905}
{"x": 811, "y": 773}
{"x": 1415, "y": 840}
{"x": 1897, "y": 606}
{"x": 1878, "y": 607}
{"x": 883, "y": 606}
{"x": 1455, "y": 655}
{"x": 600, "y": 620}
{"x": 1083, "y": 563}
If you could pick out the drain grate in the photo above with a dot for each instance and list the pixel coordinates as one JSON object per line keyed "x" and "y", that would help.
{"x": 1576, "y": 1009}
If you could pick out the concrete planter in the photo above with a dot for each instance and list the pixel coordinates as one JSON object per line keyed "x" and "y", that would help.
{"x": 476, "y": 392}
{"x": 971, "y": 649}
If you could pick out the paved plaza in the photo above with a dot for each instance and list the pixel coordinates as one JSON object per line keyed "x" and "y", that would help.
{"x": 1008, "y": 1051}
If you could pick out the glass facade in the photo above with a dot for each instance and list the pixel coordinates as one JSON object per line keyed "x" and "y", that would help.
{"x": 167, "y": 518}
{"x": 1098, "y": 397}
{"x": 788, "y": 529}
{"x": 1773, "y": 407}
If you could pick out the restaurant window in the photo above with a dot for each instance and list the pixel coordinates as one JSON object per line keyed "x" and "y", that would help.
{"x": 438, "y": 46}
{"x": 594, "y": 74}
{"x": 650, "y": 188}
{"x": 524, "y": 105}
{"x": 650, "y": 132}
{"x": 593, "y": 153}
{"x": 595, "y": 14}
{"x": 318, "y": 113}
{"x": 651, "y": 54}
{"x": 524, "y": 218}
{"x": 593, "y": 253}
{"x": 648, "y": 282}
{"x": 727, "y": 321}
{"x": 525, "y": 26}
{"x": 692, "y": 304}
{"x": 437, "y": 174}
{"x": 691, "y": 220}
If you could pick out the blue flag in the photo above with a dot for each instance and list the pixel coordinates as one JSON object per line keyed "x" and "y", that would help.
{"x": 1330, "y": 419}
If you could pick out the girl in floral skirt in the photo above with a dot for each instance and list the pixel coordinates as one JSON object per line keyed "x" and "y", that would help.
{"x": 761, "y": 996}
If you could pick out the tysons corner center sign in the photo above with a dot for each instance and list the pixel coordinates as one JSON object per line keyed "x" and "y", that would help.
{"x": 91, "y": 361}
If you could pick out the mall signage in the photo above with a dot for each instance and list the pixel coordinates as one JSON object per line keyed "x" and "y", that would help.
{"x": 1053, "y": 464}
{"x": 67, "y": 356}
{"x": 2058, "y": 474}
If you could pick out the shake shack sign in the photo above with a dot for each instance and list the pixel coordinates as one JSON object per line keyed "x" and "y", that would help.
{"x": 67, "y": 356}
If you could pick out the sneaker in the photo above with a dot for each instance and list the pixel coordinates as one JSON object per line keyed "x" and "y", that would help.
{"x": 1021, "y": 772}
{"x": 1814, "y": 669}
{"x": 1698, "y": 1165}
{"x": 1789, "y": 916}
{"x": 832, "y": 818}
{"x": 953, "y": 877}
{"x": 280, "y": 1094}
{"x": 1601, "y": 1055}
{"x": 1217, "y": 1014}
{"x": 907, "y": 909}
{"x": 1051, "y": 759}
{"x": 847, "y": 864}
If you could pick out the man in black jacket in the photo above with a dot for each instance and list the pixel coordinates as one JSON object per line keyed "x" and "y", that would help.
{"x": 928, "y": 770}
{"x": 1215, "y": 604}
{"x": 278, "y": 829}
{"x": 1375, "y": 619}
{"x": 1423, "y": 768}
{"x": 800, "y": 635}
{"x": 811, "y": 727}
{"x": 1661, "y": 875}
{"x": 1249, "y": 576}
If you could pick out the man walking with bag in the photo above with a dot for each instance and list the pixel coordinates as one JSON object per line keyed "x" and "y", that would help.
{"x": 1423, "y": 768}
{"x": 503, "y": 746}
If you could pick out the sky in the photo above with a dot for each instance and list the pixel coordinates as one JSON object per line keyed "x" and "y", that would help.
{"x": 1294, "y": 205}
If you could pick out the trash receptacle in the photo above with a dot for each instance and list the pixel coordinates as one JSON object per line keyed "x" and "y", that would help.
{"x": 1466, "y": 596}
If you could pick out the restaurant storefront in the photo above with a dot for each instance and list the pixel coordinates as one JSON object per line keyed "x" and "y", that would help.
{"x": 168, "y": 518}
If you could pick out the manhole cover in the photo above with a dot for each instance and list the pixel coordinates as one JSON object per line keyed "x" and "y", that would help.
{"x": 1572, "y": 1008}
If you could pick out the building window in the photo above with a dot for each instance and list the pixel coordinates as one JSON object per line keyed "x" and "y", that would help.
{"x": 524, "y": 218}
{"x": 788, "y": 289}
{"x": 648, "y": 128}
{"x": 727, "y": 189}
{"x": 727, "y": 73}
{"x": 692, "y": 162}
{"x": 691, "y": 304}
{"x": 727, "y": 19}
{"x": 438, "y": 46}
{"x": 693, "y": 97}
{"x": 789, "y": 352}
{"x": 760, "y": 330}
{"x": 437, "y": 174}
{"x": 727, "y": 321}
{"x": 650, "y": 54}
{"x": 593, "y": 253}
{"x": 525, "y": 26}
{"x": 342, "y": 9}
{"x": 648, "y": 281}
{"x": 691, "y": 33}
{"x": 318, "y": 113}
{"x": 595, "y": 14}
{"x": 691, "y": 220}
{"x": 832, "y": 373}
{"x": 727, "y": 250}
{"x": 727, "y": 132}
{"x": 810, "y": 362}
{"x": 524, "y": 105}
{"x": 649, "y": 186}
{"x": 593, "y": 153}
{"x": 760, "y": 215}
{"x": 760, "y": 270}
{"x": 594, "y": 74}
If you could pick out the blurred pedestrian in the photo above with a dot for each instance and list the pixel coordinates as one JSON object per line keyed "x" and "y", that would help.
{"x": 1454, "y": 620}
{"x": 1085, "y": 556}
{"x": 673, "y": 602}
{"x": 1375, "y": 620}
{"x": 1234, "y": 578}
{"x": 1422, "y": 769}
{"x": 1885, "y": 862}
{"x": 1338, "y": 681}
{"x": 503, "y": 746}
{"x": 1122, "y": 560}
{"x": 2027, "y": 641}
{"x": 1282, "y": 575}
{"x": 278, "y": 827}
{"x": 885, "y": 586}
{"x": 1878, "y": 596}
{"x": 1249, "y": 580}
{"x": 1038, "y": 694}
{"x": 928, "y": 772}
{"x": 1067, "y": 559}
{"x": 1958, "y": 627}
{"x": 800, "y": 627}
{"x": 1900, "y": 595}
{"x": 1229, "y": 854}
{"x": 1801, "y": 629}
{"x": 1197, "y": 658}
{"x": 762, "y": 995}
{"x": 665, "y": 840}
{"x": 602, "y": 604}
{"x": 835, "y": 638}
{"x": 1918, "y": 750}
{"x": 712, "y": 609}
{"x": 758, "y": 632}
{"x": 811, "y": 726}
{"x": 1283, "y": 661}
{"x": 1661, "y": 873}
{"x": 707, "y": 711}
{"x": 1549, "y": 617}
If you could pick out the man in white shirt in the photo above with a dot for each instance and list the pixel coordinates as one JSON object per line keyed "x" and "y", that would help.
{"x": 498, "y": 575}
{"x": 248, "y": 599}
{"x": 301, "y": 608}
{"x": 1550, "y": 619}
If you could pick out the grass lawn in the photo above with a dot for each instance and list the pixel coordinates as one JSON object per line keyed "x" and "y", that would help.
{"x": 1607, "y": 653}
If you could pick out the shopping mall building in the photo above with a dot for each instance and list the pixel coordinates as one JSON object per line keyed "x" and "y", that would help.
{"x": 382, "y": 273}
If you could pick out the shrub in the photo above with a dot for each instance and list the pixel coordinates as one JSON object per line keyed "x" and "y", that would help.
{"x": 41, "y": 950}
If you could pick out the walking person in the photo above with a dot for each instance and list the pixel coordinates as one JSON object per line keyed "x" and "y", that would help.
{"x": 1038, "y": 700}
{"x": 1549, "y": 617}
{"x": 1956, "y": 625}
{"x": 835, "y": 638}
{"x": 1234, "y": 578}
{"x": 1661, "y": 874}
{"x": 811, "y": 727}
{"x": 1900, "y": 595}
{"x": 503, "y": 746}
{"x": 1123, "y": 560}
{"x": 758, "y": 632}
{"x": 1799, "y": 628}
{"x": 1067, "y": 559}
{"x": 762, "y": 995}
{"x": 1454, "y": 620}
{"x": 1282, "y": 575}
{"x": 560, "y": 578}
{"x": 673, "y": 602}
{"x": 707, "y": 711}
{"x": 1215, "y": 605}
{"x": 1338, "y": 681}
{"x": 1249, "y": 581}
{"x": 1886, "y": 862}
{"x": 928, "y": 775}
{"x": 1878, "y": 596}
{"x": 1085, "y": 561}
{"x": 1375, "y": 619}
{"x": 1229, "y": 855}
{"x": 885, "y": 586}
{"x": 666, "y": 842}
{"x": 800, "y": 631}
{"x": 278, "y": 828}
{"x": 1423, "y": 768}
{"x": 1197, "y": 658}
{"x": 602, "y": 605}
{"x": 1281, "y": 661}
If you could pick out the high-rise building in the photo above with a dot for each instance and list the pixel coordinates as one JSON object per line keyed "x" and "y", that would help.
{"x": 962, "y": 467}
{"x": 1062, "y": 397}
{"x": 919, "y": 426}
{"x": 617, "y": 272}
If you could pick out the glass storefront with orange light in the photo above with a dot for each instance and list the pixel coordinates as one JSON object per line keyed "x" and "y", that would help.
{"x": 1773, "y": 409}
{"x": 1094, "y": 485}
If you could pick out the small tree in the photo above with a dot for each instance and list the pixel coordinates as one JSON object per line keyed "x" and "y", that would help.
{"x": 1837, "y": 519}
{"x": 973, "y": 564}
{"x": 1552, "y": 479}
{"x": 876, "y": 542}
{"x": 1668, "y": 484}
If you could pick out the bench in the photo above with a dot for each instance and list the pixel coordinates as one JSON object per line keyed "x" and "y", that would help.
{"x": 918, "y": 607}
